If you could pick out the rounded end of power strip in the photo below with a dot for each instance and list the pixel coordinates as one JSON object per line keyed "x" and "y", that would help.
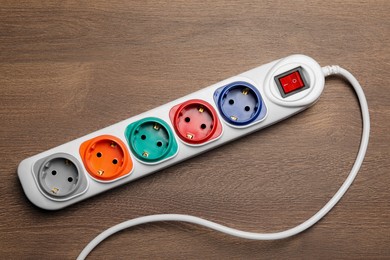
{"x": 294, "y": 81}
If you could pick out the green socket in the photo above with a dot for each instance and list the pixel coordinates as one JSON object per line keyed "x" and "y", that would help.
{"x": 151, "y": 140}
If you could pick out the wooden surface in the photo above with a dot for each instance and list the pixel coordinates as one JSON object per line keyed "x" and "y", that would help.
{"x": 68, "y": 68}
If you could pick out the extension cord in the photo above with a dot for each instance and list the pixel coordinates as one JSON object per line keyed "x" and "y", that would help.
{"x": 183, "y": 128}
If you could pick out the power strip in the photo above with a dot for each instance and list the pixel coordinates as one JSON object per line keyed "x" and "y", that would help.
{"x": 183, "y": 128}
{"x": 171, "y": 133}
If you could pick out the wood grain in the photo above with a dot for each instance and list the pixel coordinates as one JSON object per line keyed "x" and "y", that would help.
{"x": 68, "y": 68}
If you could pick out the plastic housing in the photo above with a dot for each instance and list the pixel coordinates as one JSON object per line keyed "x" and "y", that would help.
{"x": 262, "y": 78}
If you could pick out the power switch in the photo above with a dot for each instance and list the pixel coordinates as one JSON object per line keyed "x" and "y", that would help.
{"x": 291, "y": 82}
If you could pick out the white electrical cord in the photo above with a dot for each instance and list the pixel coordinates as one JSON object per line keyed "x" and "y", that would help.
{"x": 328, "y": 70}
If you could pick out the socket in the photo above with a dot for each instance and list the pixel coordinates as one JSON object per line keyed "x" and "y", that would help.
{"x": 106, "y": 158}
{"x": 60, "y": 176}
{"x": 151, "y": 140}
{"x": 240, "y": 104}
{"x": 195, "y": 122}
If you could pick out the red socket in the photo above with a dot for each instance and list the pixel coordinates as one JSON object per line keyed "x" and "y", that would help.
{"x": 195, "y": 122}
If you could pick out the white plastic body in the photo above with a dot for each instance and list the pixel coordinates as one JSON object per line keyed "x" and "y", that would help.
{"x": 262, "y": 78}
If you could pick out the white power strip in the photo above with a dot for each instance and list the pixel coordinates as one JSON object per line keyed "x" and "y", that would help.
{"x": 81, "y": 174}
{"x": 183, "y": 128}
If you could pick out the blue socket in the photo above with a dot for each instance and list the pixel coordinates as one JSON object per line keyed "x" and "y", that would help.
{"x": 239, "y": 103}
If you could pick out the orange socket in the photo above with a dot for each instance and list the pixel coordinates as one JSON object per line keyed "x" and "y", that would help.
{"x": 106, "y": 158}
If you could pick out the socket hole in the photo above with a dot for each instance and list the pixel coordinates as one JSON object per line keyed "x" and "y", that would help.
{"x": 99, "y": 154}
{"x": 247, "y": 108}
{"x": 54, "y": 172}
{"x": 231, "y": 101}
{"x": 159, "y": 143}
{"x": 115, "y": 161}
{"x": 70, "y": 179}
{"x": 203, "y": 126}
{"x": 143, "y": 137}
{"x": 187, "y": 119}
